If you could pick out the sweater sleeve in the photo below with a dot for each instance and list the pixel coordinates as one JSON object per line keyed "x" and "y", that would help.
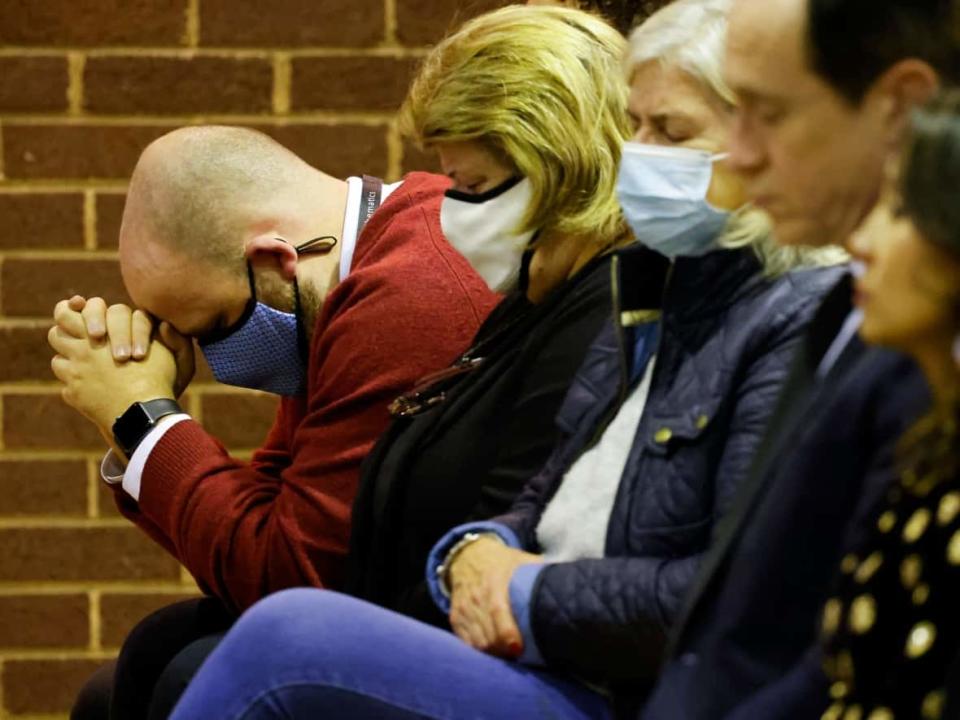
{"x": 619, "y": 633}
{"x": 248, "y": 529}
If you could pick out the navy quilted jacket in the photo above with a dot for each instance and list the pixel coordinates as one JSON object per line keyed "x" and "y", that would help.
{"x": 728, "y": 336}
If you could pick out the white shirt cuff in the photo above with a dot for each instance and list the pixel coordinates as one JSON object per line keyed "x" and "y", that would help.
{"x": 111, "y": 468}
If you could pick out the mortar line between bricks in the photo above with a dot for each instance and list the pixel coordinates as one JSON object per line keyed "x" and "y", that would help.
{"x": 95, "y": 629}
{"x": 64, "y": 653}
{"x": 65, "y": 254}
{"x": 192, "y": 29}
{"x": 47, "y": 523}
{"x": 93, "y": 488}
{"x": 390, "y": 21}
{"x": 52, "y": 455}
{"x": 44, "y": 186}
{"x": 387, "y": 49}
{"x": 89, "y": 220}
{"x": 75, "y": 64}
{"x": 319, "y": 117}
{"x": 195, "y": 405}
{"x": 282, "y": 83}
{"x": 29, "y": 323}
{"x": 394, "y": 152}
{"x": 125, "y": 587}
{"x": 31, "y": 388}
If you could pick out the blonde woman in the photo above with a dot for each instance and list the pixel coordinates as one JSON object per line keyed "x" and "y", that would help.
{"x": 584, "y": 574}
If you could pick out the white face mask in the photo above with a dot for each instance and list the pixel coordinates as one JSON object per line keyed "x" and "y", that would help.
{"x": 482, "y": 228}
{"x": 663, "y": 193}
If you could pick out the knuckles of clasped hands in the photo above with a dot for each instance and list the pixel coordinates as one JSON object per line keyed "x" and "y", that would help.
{"x": 110, "y": 355}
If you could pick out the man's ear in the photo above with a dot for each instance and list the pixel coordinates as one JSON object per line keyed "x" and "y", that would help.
{"x": 270, "y": 248}
{"x": 905, "y": 86}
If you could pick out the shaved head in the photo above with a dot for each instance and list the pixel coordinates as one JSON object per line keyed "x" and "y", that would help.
{"x": 197, "y": 189}
{"x": 199, "y": 199}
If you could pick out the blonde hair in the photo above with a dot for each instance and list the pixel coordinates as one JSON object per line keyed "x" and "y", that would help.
{"x": 541, "y": 87}
{"x": 690, "y": 35}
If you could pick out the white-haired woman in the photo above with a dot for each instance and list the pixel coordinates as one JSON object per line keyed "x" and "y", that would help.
{"x": 560, "y": 607}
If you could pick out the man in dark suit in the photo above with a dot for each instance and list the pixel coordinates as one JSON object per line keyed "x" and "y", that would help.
{"x": 824, "y": 88}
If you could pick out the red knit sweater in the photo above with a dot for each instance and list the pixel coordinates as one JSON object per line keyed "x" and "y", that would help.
{"x": 410, "y": 305}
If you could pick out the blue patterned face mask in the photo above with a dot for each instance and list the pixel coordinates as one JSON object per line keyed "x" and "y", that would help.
{"x": 663, "y": 193}
{"x": 266, "y": 348}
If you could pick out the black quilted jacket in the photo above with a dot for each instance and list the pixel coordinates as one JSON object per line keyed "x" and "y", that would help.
{"x": 728, "y": 336}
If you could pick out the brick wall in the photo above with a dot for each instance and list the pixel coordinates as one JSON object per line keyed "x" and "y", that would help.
{"x": 84, "y": 85}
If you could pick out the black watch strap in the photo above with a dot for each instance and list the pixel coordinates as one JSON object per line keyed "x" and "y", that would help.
{"x": 139, "y": 419}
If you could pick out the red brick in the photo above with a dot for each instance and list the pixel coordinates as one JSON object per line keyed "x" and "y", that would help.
{"x": 24, "y": 355}
{"x": 106, "y": 502}
{"x": 31, "y": 288}
{"x": 121, "y": 611}
{"x": 91, "y": 151}
{"x": 65, "y": 23}
{"x": 32, "y": 421}
{"x": 83, "y": 554}
{"x": 423, "y": 160}
{"x": 424, "y": 22}
{"x": 33, "y": 84}
{"x": 239, "y": 420}
{"x": 74, "y": 151}
{"x": 291, "y": 23}
{"x": 43, "y": 220}
{"x": 44, "y": 621}
{"x": 350, "y": 83}
{"x": 44, "y": 686}
{"x": 43, "y": 487}
{"x": 172, "y": 86}
{"x": 109, "y": 215}
{"x": 339, "y": 150}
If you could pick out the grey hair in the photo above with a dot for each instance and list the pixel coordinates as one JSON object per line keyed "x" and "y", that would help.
{"x": 690, "y": 35}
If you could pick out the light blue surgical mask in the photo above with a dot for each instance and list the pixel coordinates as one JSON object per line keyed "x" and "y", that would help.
{"x": 266, "y": 348}
{"x": 663, "y": 193}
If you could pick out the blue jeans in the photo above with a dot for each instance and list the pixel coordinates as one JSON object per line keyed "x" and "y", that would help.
{"x": 318, "y": 654}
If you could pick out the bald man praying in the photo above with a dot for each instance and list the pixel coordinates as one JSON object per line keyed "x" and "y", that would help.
{"x": 292, "y": 282}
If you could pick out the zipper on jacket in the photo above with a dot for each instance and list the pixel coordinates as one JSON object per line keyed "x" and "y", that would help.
{"x": 617, "y": 304}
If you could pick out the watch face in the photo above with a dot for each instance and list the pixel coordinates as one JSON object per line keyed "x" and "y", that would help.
{"x": 131, "y": 426}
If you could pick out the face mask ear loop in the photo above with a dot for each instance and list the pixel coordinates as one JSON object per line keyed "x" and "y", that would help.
{"x": 323, "y": 244}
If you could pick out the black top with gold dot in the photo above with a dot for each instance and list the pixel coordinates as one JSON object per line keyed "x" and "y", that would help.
{"x": 892, "y": 629}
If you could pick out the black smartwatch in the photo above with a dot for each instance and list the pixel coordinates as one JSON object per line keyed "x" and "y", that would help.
{"x": 139, "y": 419}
